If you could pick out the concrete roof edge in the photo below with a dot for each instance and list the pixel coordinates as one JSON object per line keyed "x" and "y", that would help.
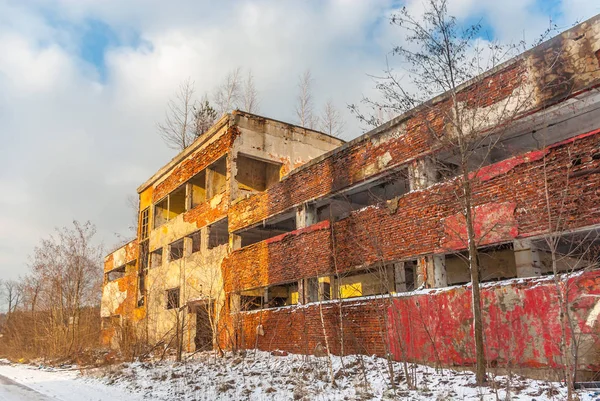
{"x": 245, "y": 113}
{"x": 186, "y": 152}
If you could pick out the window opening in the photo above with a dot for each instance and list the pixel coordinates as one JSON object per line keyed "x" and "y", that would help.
{"x": 173, "y": 298}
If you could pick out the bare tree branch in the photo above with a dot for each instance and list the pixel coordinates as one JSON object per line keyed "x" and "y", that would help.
{"x": 331, "y": 121}
{"x": 227, "y": 95}
{"x": 251, "y": 101}
{"x": 304, "y": 103}
{"x": 177, "y": 131}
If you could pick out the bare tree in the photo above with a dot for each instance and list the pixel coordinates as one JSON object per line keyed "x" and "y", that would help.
{"x": 177, "y": 131}
{"x": 331, "y": 121}
{"x": 227, "y": 95}
{"x": 133, "y": 204}
{"x": 251, "y": 101}
{"x": 441, "y": 56}
{"x": 204, "y": 116}
{"x": 55, "y": 309}
{"x": 304, "y": 103}
{"x": 13, "y": 291}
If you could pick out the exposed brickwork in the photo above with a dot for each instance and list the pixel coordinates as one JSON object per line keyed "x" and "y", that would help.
{"x": 570, "y": 74}
{"x": 495, "y": 87}
{"x": 205, "y": 213}
{"x": 422, "y": 224}
{"x": 301, "y": 253}
{"x": 195, "y": 163}
{"x": 299, "y": 330}
{"x": 417, "y": 226}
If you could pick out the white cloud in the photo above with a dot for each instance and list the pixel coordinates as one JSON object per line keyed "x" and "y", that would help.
{"x": 75, "y": 145}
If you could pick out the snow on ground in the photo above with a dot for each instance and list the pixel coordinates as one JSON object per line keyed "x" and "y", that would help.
{"x": 262, "y": 376}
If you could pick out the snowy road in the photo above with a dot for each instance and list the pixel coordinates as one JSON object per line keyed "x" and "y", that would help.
{"x": 10, "y": 390}
{"x": 31, "y": 383}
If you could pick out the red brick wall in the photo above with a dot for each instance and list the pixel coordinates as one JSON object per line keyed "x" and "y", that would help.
{"x": 301, "y": 253}
{"x": 299, "y": 329}
{"x": 520, "y": 322}
{"x": 509, "y": 200}
{"x": 553, "y": 70}
{"x": 195, "y": 163}
{"x": 520, "y": 317}
{"x": 418, "y": 224}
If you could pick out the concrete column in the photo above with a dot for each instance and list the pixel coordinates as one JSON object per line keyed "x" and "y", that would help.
{"x": 421, "y": 273}
{"x": 527, "y": 258}
{"x": 306, "y": 215}
{"x": 422, "y": 173}
{"x": 235, "y": 241}
{"x": 400, "y": 277}
{"x": 440, "y": 278}
{"x": 187, "y": 247}
{"x": 431, "y": 271}
{"x": 301, "y": 292}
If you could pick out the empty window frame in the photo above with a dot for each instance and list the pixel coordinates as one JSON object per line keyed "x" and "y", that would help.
{"x": 284, "y": 224}
{"x": 218, "y": 234}
{"x": 144, "y": 254}
{"x": 446, "y": 170}
{"x": 254, "y": 175}
{"x": 374, "y": 192}
{"x": 116, "y": 273}
{"x": 317, "y": 289}
{"x": 172, "y": 298}
{"x": 404, "y": 275}
{"x": 197, "y": 186}
{"x": 282, "y": 295}
{"x": 216, "y": 178}
{"x": 144, "y": 219}
{"x": 156, "y": 258}
{"x": 363, "y": 283}
{"x": 252, "y": 299}
{"x": 572, "y": 252}
{"x": 195, "y": 242}
{"x": 170, "y": 207}
{"x": 176, "y": 250}
{"x": 495, "y": 263}
{"x": 141, "y": 300}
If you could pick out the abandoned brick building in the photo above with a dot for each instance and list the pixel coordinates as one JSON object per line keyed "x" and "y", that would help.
{"x": 263, "y": 234}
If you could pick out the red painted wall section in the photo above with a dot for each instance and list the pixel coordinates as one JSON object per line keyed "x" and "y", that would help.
{"x": 521, "y": 323}
{"x": 493, "y": 223}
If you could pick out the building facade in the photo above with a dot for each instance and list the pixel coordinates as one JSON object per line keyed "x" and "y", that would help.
{"x": 158, "y": 286}
{"x": 362, "y": 245}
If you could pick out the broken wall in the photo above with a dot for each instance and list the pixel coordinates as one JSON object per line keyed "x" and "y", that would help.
{"x": 560, "y": 69}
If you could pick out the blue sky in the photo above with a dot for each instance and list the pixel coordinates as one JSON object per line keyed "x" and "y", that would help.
{"x": 84, "y": 82}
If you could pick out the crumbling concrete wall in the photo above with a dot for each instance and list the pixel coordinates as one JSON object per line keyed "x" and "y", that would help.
{"x": 198, "y": 275}
{"x": 118, "y": 296}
